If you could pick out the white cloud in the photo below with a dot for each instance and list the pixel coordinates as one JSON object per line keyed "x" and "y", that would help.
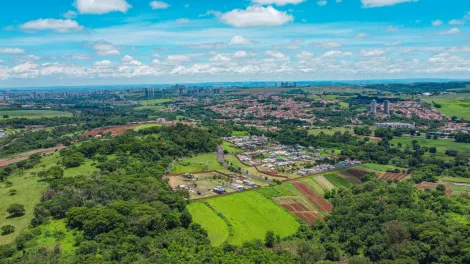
{"x": 99, "y": 7}
{"x": 452, "y": 31}
{"x": 211, "y": 13}
{"x": 103, "y": 63}
{"x": 437, "y": 23}
{"x": 9, "y": 28}
{"x": 104, "y": 48}
{"x": 11, "y": 51}
{"x": 327, "y": 45}
{"x": 178, "y": 59}
{"x": 156, "y": 55}
{"x": 278, "y": 2}
{"x": 256, "y": 16}
{"x": 394, "y": 43}
{"x": 276, "y": 56}
{"x": 80, "y": 57}
{"x": 59, "y": 25}
{"x": 127, "y": 58}
{"x": 372, "y": 53}
{"x": 159, "y": 5}
{"x": 219, "y": 58}
{"x": 337, "y": 53}
{"x": 240, "y": 54}
{"x": 156, "y": 62}
{"x": 322, "y": 3}
{"x": 240, "y": 40}
{"x": 293, "y": 45}
{"x": 305, "y": 55}
{"x": 456, "y": 22}
{"x": 70, "y": 14}
{"x": 391, "y": 29}
{"x": 361, "y": 36}
{"x": 380, "y": 3}
{"x": 215, "y": 45}
{"x": 182, "y": 21}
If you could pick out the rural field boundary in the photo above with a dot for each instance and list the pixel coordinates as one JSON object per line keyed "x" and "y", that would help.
{"x": 222, "y": 216}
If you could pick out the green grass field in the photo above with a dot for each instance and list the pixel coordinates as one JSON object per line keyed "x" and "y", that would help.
{"x": 252, "y": 215}
{"x": 456, "y": 179}
{"x": 29, "y": 190}
{"x": 155, "y": 108}
{"x": 198, "y": 163}
{"x": 378, "y": 167}
{"x": 146, "y": 126}
{"x": 329, "y": 131}
{"x": 338, "y": 181}
{"x": 155, "y": 101}
{"x": 240, "y": 133}
{"x": 460, "y": 109}
{"x": 33, "y": 114}
{"x": 441, "y": 144}
{"x": 216, "y": 228}
{"x": 231, "y": 148}
{"x": 53, "y": 233}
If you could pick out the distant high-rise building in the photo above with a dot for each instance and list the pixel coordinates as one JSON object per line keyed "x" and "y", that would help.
{"x": 147, "y": 93}
{"x": 373, "y": 107}
{"x": 387, "y": 107}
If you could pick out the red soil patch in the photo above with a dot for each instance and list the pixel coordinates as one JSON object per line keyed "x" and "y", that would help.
{"x": 299, "y": 207}
{"x": 309, "y": 217}
{"x": 432, "y": 186}
{"x": 320, "y": 203}
{"x": 114, "y": 130}
{"x": 288, "y": 207}
{"x": 304, "y": 188}
{"x": 393, "y": 176}
{"x": 357, "y": 173}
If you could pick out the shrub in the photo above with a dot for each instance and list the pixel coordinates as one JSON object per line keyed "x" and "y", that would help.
{"x": 16, "y": 210}
{"x": 12, "y": 192}
{"x": 6, "y": 230}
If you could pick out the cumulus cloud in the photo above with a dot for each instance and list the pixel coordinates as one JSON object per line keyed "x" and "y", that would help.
{"x": 256, "y": 16}
{"x": 394, "y": 43}
{"x": 372, "y": 53}
{"x": 322, "y": 3}
{"x": 305, "y": 55}
{"x": 159, "y": 5}
{"x": 456, "y": 22}
{"x": 211, "y": 13}
{"x": 380, "y": 3}
{"x": 276, "y": 56}
{"x": 70, "y": 14}
{"x": 99, "y": 7}
{"x": 361, "y": 36}
{"x": 178, "y": 59}
{"x": 437, "y": 23}
{"x": 215, "y": 45}
{"x": 293, "y": 45}
{"x": 59, "y": 25}
{"x": 103, "y": 48}
{"x": 327, "y": 45}
{"x": 278, "y": 2}
{"x": 80, "y": 57}
{"x": 240, "y": 54}
{"x": 452, "y": 31}
{"x": 391, "y": 29}
{"x": 103, "y": 63}
{"x": 337, "y": 53}
{"x": 240, "y": 40}
{"x": 11, "y": 51}
{"x": 219, "y": 58}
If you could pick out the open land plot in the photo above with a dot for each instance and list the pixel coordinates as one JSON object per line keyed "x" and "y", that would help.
{"x": 216, "y": 228}
{"x": 317, "y": 200}
{"x": 156, "y": 108}
{"x": 240, "y": 133}
{"x": 144, "y": 126}
{"x": 155, "y": 101}
{"x": 114, "y": 130}
{"x": 447, "y": 97}
{"x": 204, "y": 162}
{"x": 24, "y": 156}
{"x": 331, "y": 131}
{"x": 314, "y": 185}
{"x": 231, "y": 148}
{"x": 441, "y": 144}
{"x": 231, "y": 159}
{"x": 337, "y": 180}
{"x": 378, "y": 167}
{"x": 460, "y": 109}
{"x": 432, "y": 186}
{"x": 29, "y": 189}
{"x": 33, "y": 114}
{"x": 252, "y": 215}
{"x": 241, "y": 91}
{"x": 388, "y": 176}
{"x": 456, "y": 179}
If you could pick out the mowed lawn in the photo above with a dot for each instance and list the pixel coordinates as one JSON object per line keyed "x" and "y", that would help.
{"x": 441, "y": 144}
{"x": 460, "y": 109}
{"x": 29, "y": 189}
{"x": 216, "y": 228}
{"x": 252, "y": 215}
{"x": 33, "y": 114}
{"x": 205, "y": 162}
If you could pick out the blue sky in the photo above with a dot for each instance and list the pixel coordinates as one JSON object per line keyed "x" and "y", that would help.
{"x": 85, "y": 42}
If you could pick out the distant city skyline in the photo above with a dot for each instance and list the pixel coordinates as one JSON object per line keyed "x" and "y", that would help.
{"x": 110, "y": 42}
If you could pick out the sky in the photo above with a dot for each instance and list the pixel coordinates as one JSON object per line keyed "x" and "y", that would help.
{"x": 98, "y": 42}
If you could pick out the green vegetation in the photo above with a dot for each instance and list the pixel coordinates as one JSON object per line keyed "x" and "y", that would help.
{"x": 153, "y": 102}
{"x": 240, "y": 133}
{"x": 56, "y": 232}
{"x": 145, "y": 126}
{"x": 456, "y": 179}
{"x": 460, "y": 109}
{"x": 337, "y": 180}
{"x": 378, "y": 167}
{"x": 33, "y": 114}
{"x": 231, "y": 148}
{"x": 204, "y": 162}
{"x": 329, "y": 131}
{"x": 441, "y": 144}
{"x": 252, "y": 215}
{"x": 216, "y": 228}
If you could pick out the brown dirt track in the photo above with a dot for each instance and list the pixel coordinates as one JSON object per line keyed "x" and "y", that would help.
{"x": 24, "y": 156}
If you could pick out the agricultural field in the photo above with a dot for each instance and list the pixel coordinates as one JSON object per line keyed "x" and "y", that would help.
{"x": 456, "y": 179}
{"x": 33, "y": 114}
{"x": 216, "y": 228}
{"x": 378, "y": 167}
{"x": 249, "y": 212}
{"x": 144, "y": 126}
{"x": 337, "y": 180}
{"x": 460, "y": 109}
{"x": 327, "y": 131}
{"x": 205, "y": 162}
{"x": 155, "y": 108}
{"x": 29, "y": 189}
{"x": 231, "y": 148}
{"x": 441, "y": 144}
{"x": 153, "y": 102}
